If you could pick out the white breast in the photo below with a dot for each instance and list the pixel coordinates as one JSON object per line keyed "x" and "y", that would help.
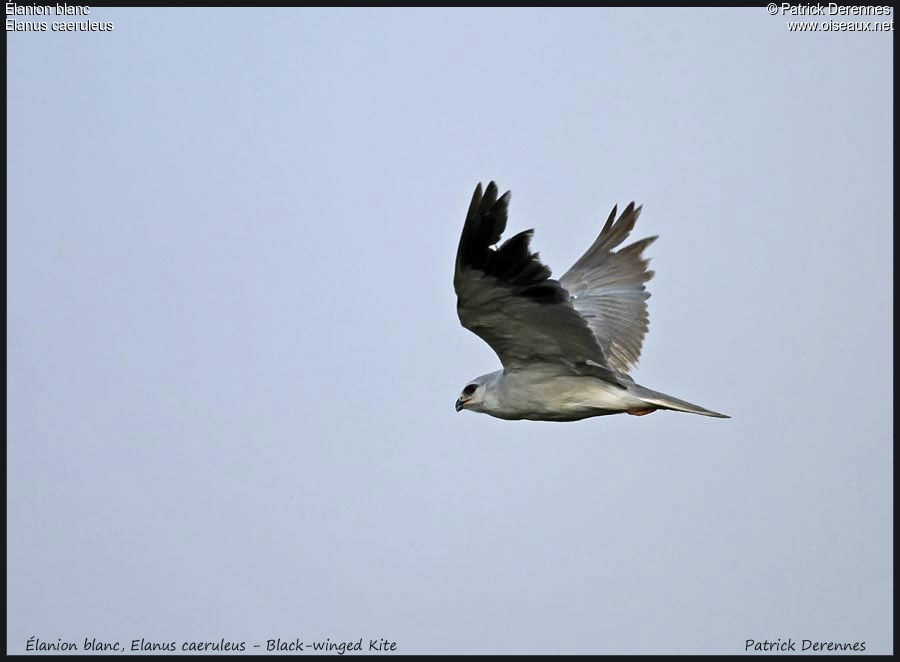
{"x": 554, "y": 397}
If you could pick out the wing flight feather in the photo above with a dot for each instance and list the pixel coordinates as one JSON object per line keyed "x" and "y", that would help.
{"x": 607, "y": 289}
{"x": 505, "y": 296}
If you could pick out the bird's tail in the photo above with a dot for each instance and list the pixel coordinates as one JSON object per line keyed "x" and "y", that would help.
{"x": 663, "y": 401}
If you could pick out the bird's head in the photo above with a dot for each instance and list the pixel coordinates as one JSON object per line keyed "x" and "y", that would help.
{"x": 472, "y": 395}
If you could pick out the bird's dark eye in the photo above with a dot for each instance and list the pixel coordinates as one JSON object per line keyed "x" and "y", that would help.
{"x": 470, "y": 389}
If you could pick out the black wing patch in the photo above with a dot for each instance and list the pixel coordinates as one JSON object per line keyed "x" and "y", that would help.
{"x": 512, "y": 263}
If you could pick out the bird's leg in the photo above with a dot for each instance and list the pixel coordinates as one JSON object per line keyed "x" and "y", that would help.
{"x": 641, "y": 412}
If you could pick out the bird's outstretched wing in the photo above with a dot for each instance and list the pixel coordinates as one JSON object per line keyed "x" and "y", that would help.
{"x": 607, "y": 289}
{"x": 506, "y": 296}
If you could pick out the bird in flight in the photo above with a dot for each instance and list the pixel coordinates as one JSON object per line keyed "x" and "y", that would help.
{"x": 566, "y": 345}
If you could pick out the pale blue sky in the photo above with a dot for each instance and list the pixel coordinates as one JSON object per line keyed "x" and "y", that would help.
{"x": 233, "y": 349}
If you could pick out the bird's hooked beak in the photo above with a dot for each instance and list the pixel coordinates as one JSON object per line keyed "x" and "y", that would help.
{"x": 460, "y": 404}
